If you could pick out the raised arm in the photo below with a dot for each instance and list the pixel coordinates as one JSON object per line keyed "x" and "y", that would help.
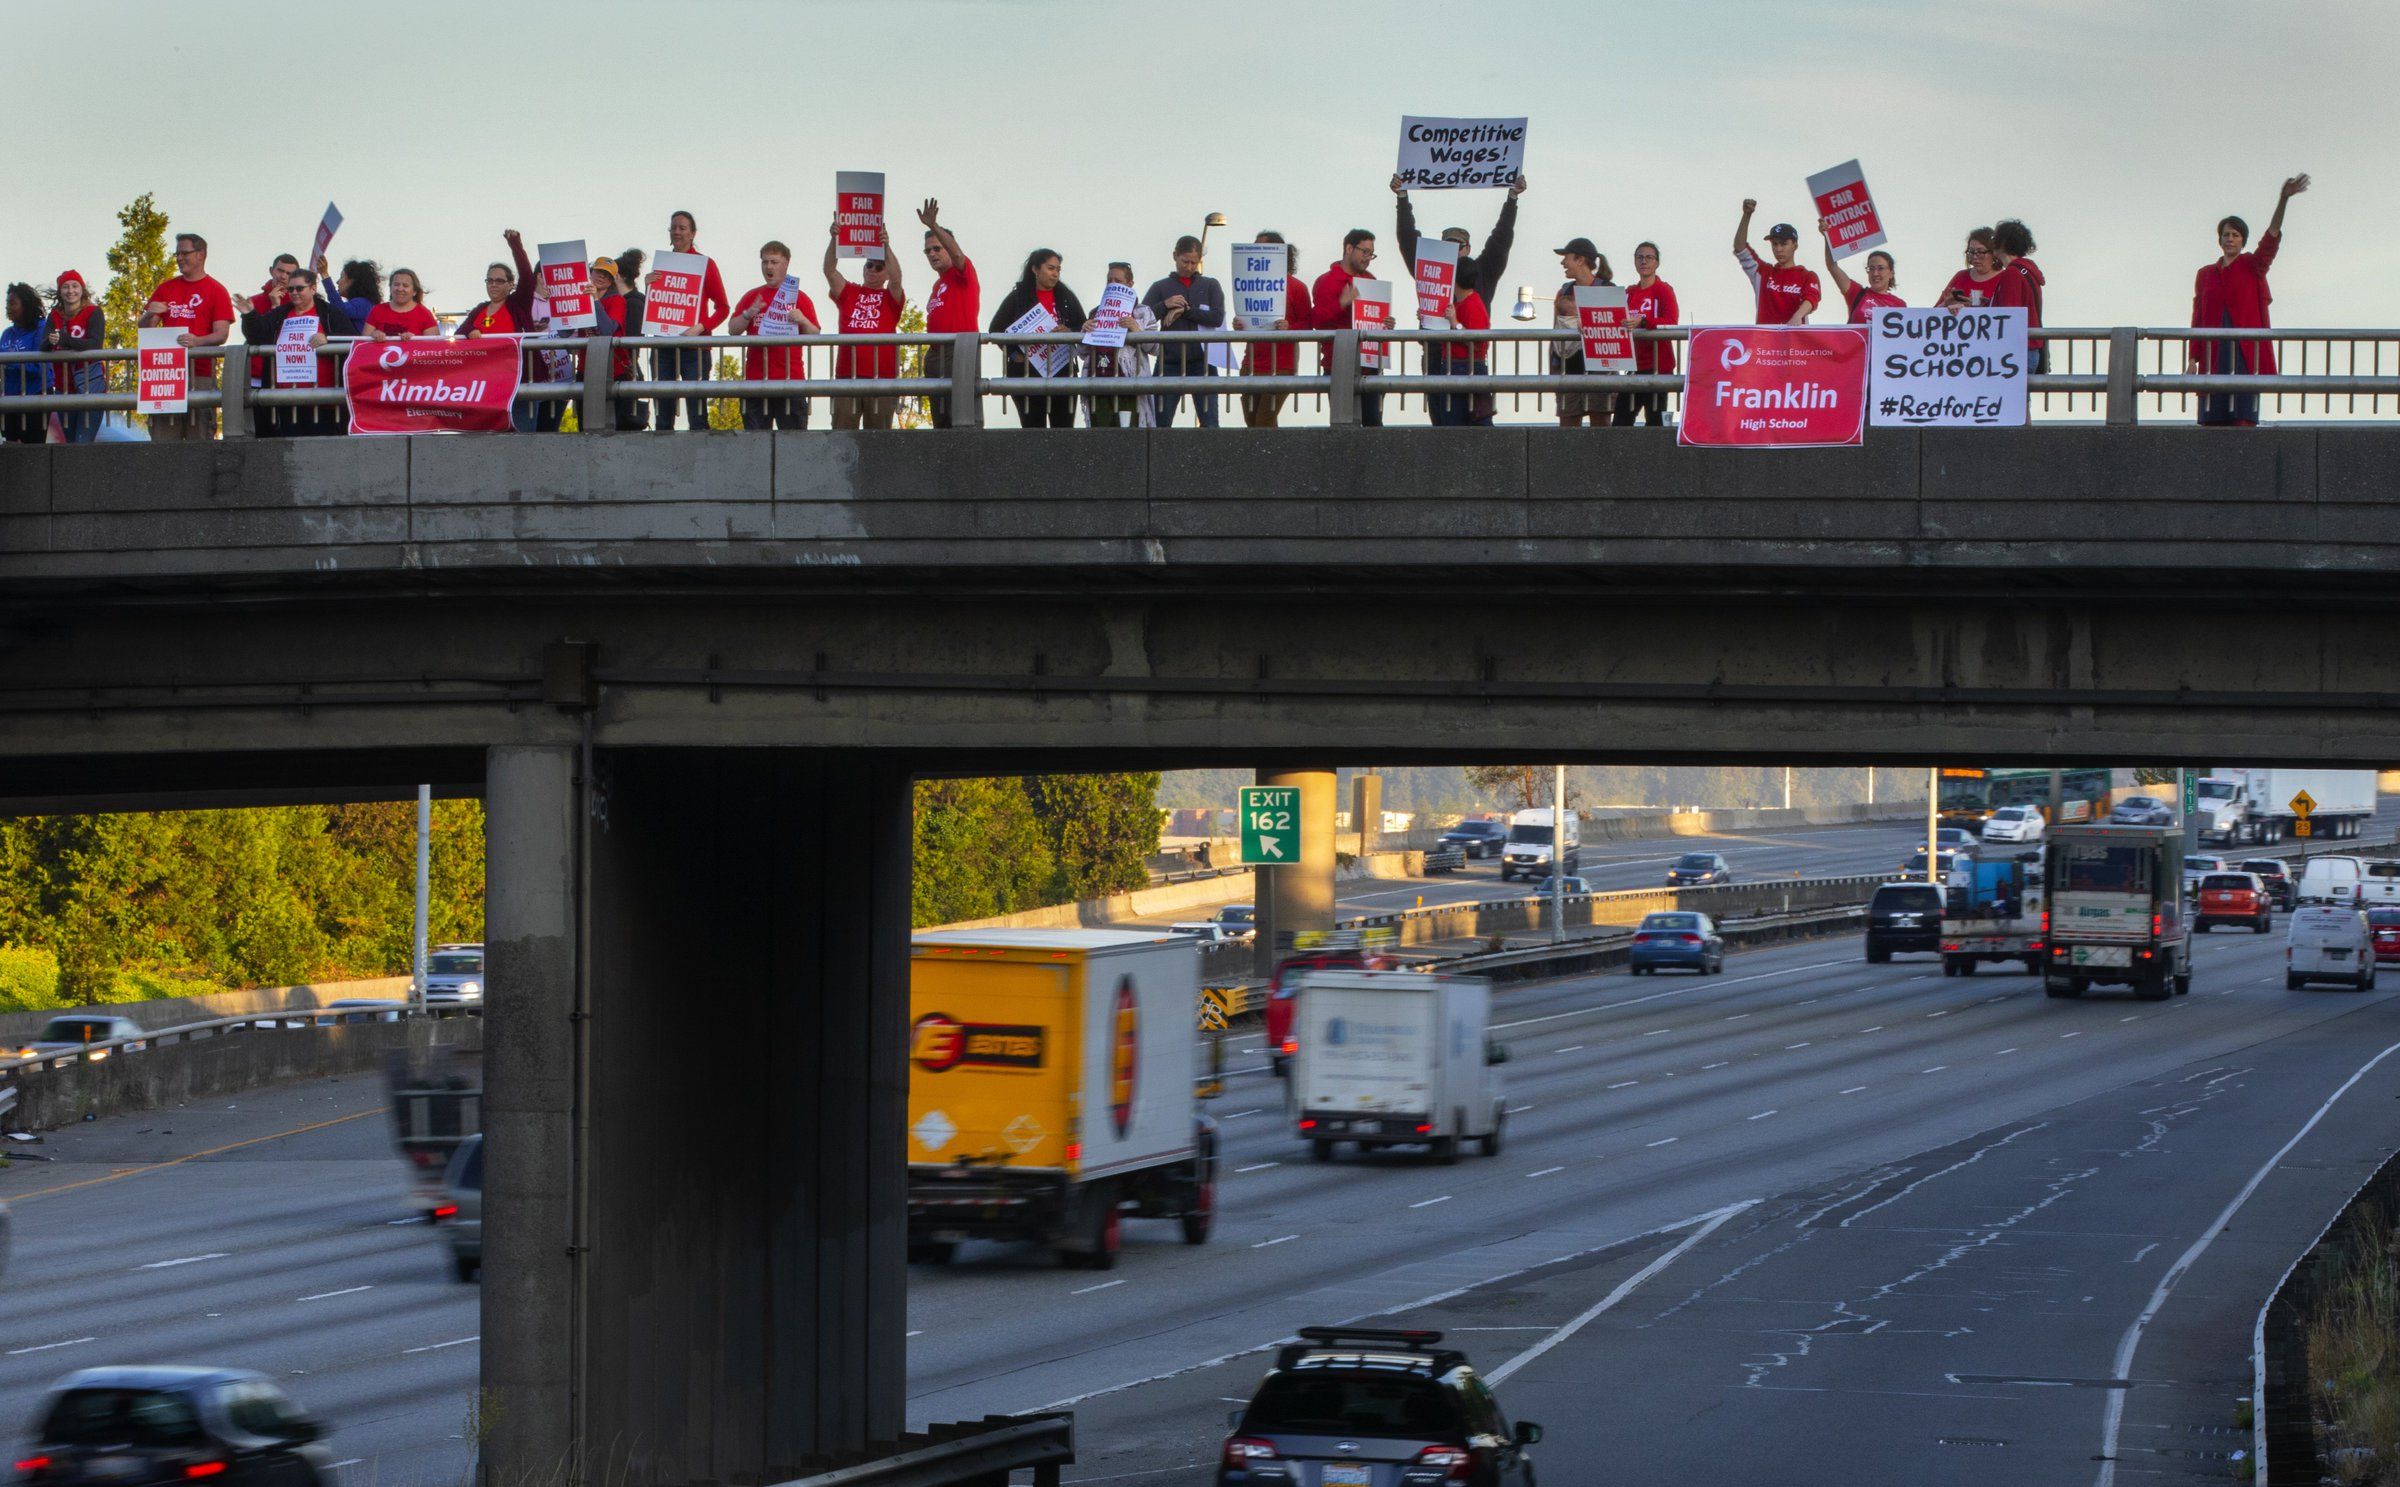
{"x": 891, "y": 263}
{"x": 1406, "y": 225}
{"x": 2291, "y": 188}
{"x": 1741, "y": 231}
{"x": 833, "y": 262}
{"x": 931, "y": 215}
{"x": 1833, "y": 268}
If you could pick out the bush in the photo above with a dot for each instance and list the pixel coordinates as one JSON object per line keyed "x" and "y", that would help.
{"x": 28, "y": 979}
{"x": 149, "y": 984}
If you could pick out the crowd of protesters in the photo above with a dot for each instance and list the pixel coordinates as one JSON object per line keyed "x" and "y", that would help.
{"x": 363, "y": 301}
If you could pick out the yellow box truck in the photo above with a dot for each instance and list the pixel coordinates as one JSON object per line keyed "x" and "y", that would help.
{"x": 1050, "y": 1090}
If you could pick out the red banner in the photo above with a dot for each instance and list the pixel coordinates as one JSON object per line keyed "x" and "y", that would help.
{"x": 1789, "y": 386}
{"x": 432, "y": 387}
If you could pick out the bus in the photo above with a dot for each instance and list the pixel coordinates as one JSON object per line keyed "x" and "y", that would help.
{"x": 1969, "y": 796}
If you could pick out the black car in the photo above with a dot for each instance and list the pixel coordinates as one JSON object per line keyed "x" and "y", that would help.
{"x": 1369, "y": 1407}
{"x": 2282, "y": 887}
{"x": 1695, "y": 868}
{"x": 1478, "y": 838}
{"x": 1445, "y": 856}
{"x": 132, "y": 1427}
{"x": 1903, "y": 917}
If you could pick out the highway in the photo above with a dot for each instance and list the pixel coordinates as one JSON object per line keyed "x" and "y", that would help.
{"x": 1867, "y": 1222}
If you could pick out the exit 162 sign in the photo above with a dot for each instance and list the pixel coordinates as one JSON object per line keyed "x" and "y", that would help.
{"x": 1270, "y": 825}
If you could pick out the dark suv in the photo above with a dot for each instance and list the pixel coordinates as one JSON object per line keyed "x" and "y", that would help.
{"x": 1367, "y": 1407}
{"x": 130, "y": 1427}
{"x": 1902, "y": 917}
{"x": 1478, "y": 838}
{"x": 2278, "y": 877}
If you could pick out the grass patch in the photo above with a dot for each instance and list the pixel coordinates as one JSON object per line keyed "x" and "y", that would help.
{"x": 2354, "y": 1349}
{"x": 28, "y": 979}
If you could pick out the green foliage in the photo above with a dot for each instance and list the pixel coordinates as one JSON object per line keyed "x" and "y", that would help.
{"x": 1102, "y": 830}
{"x": 978, "y": 851}
{"x": 28, "y": 979}
{"x": 137, "y": 264}
{"x": 913, "y": 413}
{"x": 726, "y": 413}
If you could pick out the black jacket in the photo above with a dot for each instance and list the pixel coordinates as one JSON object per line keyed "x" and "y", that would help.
{"x": 1020, "y": 299}
{"x": 1491, "y": 263}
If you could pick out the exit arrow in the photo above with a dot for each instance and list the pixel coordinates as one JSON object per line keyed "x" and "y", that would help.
{"x": 1272, "y": 846}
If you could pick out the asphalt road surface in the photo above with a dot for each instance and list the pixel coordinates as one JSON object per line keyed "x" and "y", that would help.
{"x": 1852, "y": 1223}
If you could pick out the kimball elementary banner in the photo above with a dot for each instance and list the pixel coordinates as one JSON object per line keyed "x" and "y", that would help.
{"x": 1775, "y": 386}
{"x": 1460, "y": 154}
{"x": 432, "y": 387}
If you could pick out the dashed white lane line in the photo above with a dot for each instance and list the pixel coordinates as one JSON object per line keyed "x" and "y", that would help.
{"x": 44, "y": 1347}
{"x": 1667, "y": 1140}
{"x": 1877, "y": 1028}
{"x": 917, "y": 1332}
{"x": 1932, "y": 1015}
{"x": 435, "y": 1347}
{"x": 1854, "y": 1089}
{"x": 2004, "y": 1050}
{"x": 1812, "y": 1001}
{"x": 1936, "y": 1069}
{"x": 1788, "y": 1047}
{"x": 1518, "y": 1109}
{"x": 1545, "y": 1172}
{"x": 185, "y": 1260}
{"x": 1719, "y": 1064}
{"x": 1762, "y": 1115}
{"x": 1738, "y": 1016}
{"x": 353, "y": 1461}
{"x": 1625, "y": 1084}
{"x": 344, "y": 1291}
{"x": 2071, "y": 1035}
{"x": 1570, "y": 1048}
{"x": 1658, "y": 1032}
{"x": 414, "y": 1218}
{"x": 1428, "y": 1203}
{"x": 2135, "y": 1018}
{"x": 1238, "y": 1114}
{"x": 1088, "y": 1290}
{"x": 1278, "y": 1239}
{"x": 1256, "y": 1167}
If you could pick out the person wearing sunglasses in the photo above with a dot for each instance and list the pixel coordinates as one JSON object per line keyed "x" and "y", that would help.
{"x": 298, "y": 296}
{"x": 954, "y": 307}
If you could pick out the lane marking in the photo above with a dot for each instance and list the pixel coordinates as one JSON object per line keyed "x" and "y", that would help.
{"x": 44, "y": 1347}
{"x": 1428, "y": 1203}
{"x": 1709, "y": 1225}
{"x": 1936, "y": 1069}
{"x": 1932, "y": 1015}
{"x": 1238, "y": 1114}
{"x": 2122, "y": 1367}
{"x": 1270, "y": 1243}
{"x": 1574, "y": 1048}
{"x": 1704, "y": 983}
{"x": 1667, "y": 1141}
{"x": 1088, "y": 1290}
{"x": 1854, "y": 1089}
{"x": 1762, "y": 1115}
{"x": 2135, "y": 1018}
{"x": 1738, "y": 1016}
{"x": 1788, "y": 1047}
{"x": 1256, "y": 1167}
{"x": 344, "y": 1291}
{"x": 185, "y": 1260}
{"x": 1877, "y": 1028}
{"x": 122, "y": 1173}
{"x": 919, "y": 1332}
{"x": 2070, "y": 1035}
{"x": 414, "y": 1218}
{"x": 1625, "y": 1084}
{"x": 2004, "y": 1050}
{"x": 1719, "y": 1064}
{"x": 435, "y": 1347}
{"x": 1657, "y": 1031}
{"x": 1545, "y": 1172}
{"x": 1517, "y": 1109}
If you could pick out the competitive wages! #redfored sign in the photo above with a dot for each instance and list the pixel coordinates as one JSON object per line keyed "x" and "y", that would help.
{"x": 1765, "y": 386}
{"x": 432, "y": 387}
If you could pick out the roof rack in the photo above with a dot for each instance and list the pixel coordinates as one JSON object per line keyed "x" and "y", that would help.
{"x": 1384, "y": 1340}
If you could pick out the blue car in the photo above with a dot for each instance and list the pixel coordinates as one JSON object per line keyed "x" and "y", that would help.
{"x": 1684, "y": 941}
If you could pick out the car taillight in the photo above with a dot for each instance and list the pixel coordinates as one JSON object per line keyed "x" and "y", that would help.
{"x": 1424, "y": 1130}
{"x": 2045, "y": 924}
{"x": 1689, "y": 939}
{"x": 199, "y": 1469}
{"x": 1241, "y": 1450}
{"x": 2157, "y": 925}
{"x": 1453, "y": 1460}
{"x": 1291, "y": 1046}
{"x": 445, "y": 1211}
{"x": 33, "y": 1465}
{"x": 1074, "y": 1151}
{"x": 1308, "y": 1125}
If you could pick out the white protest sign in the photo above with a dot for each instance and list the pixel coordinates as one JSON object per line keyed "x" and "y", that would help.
{"x": 326, "y": 227}
{"x": 566, "y": 268}
{"x": 295, "y": 359}
{"x": 1437, "y": 282}
{"x": 1961, "y": 368}
{"x": 1600, "y": 316}
{"x": 163, "y": 377}
{"x": 1453, "y": 154}
{"x": 1049, "y": 361}
{"x": 1261, "y": 282}
{"x": 776, "y": 319}
{"x": 673, "y": 305}
{"x": 1106, "y": 327}
{"x": 1848, "y": 210}
{"x": 1371, "y": 309}
{"x": 858, "y": 213}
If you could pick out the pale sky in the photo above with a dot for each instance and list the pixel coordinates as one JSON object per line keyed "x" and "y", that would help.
{"x": 2120, "y": 131}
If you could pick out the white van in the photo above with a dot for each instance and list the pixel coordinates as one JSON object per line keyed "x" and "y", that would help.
{"x": 2330, "y": 944}
{"x": 2331, "y": 880}
{"x": 1528, "y": 849}
{"x": 2379, "y": 882}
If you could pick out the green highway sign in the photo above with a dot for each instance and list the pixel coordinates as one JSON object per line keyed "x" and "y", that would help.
{"x": 1270, "y": 825}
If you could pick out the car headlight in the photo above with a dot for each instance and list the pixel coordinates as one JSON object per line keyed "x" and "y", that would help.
{"x": 470, "y": 988}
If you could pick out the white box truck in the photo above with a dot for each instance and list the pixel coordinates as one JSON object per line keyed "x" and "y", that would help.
{"x": 1529, "y": 842}
{"x": 1396, "y": 1058}
{"x": 1051, "y": 1090}
{"x": 2241, "y": 807}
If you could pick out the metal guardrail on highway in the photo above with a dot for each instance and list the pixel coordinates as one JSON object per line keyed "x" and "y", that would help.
{"x": 2119, "y": 372}
{"x": 970, "y": 1452}
{"x": 103, "y": 1049}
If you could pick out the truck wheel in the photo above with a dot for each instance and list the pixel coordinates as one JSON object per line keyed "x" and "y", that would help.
{"x": 931, "y": 1252}
{"x": 1320, "y": 1150}
{"x": 1967, "y": 965}
{"x": 2265, "y": 923}
{"x": 467, "y": 1269}
{"x": 1203, "y": 1215}
{"x": 1491, "y": 1143}
{"x": 1107, "y": 1229}
{"x": 1876, "y": 957}
{"x": 2292, "y": 982}
{"x": 2065, "y": 990}
{"x": 2156, "y": 989}
{"x": 1445, "y": 1150}
{"x": 2183, "y": 983}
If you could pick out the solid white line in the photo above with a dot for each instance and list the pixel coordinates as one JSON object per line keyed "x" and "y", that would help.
{"x": 436, "y": 1347}
{"x": 1625, "y": 1084}
{"x": 1088, "y": 1290}
{"x": 1624, "y": 1289}
{"x": 1269, "y": 1243}
{"x": 1428, "y": 1203}
{"x": 1762, "y": 1115}
{"x": 186, "y": 1260}
{"x": 344, "y": 1291}
{"x": 2122, "y": 1366}
{"x": 1854, "y": 1089}
{"x": 1545, "y": 1172}
{"x": 1256, "y": 1167}
{"x": 44, "y": 1347}
{"x": 1667, "y": 1141}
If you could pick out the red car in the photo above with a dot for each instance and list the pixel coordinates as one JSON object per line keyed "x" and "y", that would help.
{"x": 2234, "y": 898}
{"x": 2384, "y": 926}
{"x": 1281, "y": 1045}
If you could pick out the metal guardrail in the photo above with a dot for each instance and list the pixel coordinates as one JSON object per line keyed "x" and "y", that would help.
{"x": 2119, "y": 372}
{"x": 966, "y": 1453}
{"x": 100, "y": 1051}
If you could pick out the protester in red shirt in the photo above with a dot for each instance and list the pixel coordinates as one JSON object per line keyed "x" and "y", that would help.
{"x": 202, "y": 308}
{"x": 297, "y": 295}
{"x": 404, "y": 313}
{"x": 1983, "y": 282}
{"x": 622, "y": 311}
{"x": 270, "y": 294}
{"x": 2012, "y": 247}
{"x": 956, "y": 304}
{"x": 688, "y": 363}
{"x": 754, "y": 317}
{"x": 2232, "y": 292}
{"x": 869, "y": 309}
{"x": 1262, "y": 410}
{"x": 1330, "y": 300}
{"x": 1649, "y": 303}
{"x": 1787, "y": 293}
{"x": 1878, "y": 293}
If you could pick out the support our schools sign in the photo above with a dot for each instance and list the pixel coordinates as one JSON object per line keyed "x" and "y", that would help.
{"x": 1775, "y": 386}
{"x": 432, "y": 387}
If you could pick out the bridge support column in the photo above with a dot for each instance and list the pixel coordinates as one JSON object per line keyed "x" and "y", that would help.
{"x": 743, "y": 1288}
{"x": 1299, "y": 897}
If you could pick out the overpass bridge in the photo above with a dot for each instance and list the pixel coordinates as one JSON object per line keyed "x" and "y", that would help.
{"x": 694, "y": 677}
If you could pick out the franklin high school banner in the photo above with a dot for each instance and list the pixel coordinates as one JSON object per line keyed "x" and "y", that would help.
{"x": 1775, "y": 386}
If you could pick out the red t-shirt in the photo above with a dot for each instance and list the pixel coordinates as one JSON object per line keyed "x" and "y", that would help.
{"x": 1282, "y": 358}
{"x": 1325, "y": 308}
{"x": 1656, "y": 305}
{"x": 1049, "y": 299}
{"x": 867, "y": 312}
{"x": 2034, "y": 285}
{"x": 956, "y": 304}
{"x": 774, "y": 363}
{"x": 1865, "y": 301}
{"x": 415, "y": 321}
{"x": 1470, "y": 314}
{"x": 486, "y": 319}
{"x": 1781, "y": 290}
{"x": 2000, "y": 291}
{"x": 194, "y": 307}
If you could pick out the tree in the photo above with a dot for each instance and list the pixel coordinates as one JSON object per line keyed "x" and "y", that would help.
{"x": 1102, "y": 830}
{"x": 1516, "y": 786}
{"x": 978, "y": 852}
{"x": 137, "y": 264}
{"x": 726, "y": 413}
{"x": 912, "y": 412}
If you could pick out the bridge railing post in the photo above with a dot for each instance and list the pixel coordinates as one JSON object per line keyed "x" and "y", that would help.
{"x": 599, "y": 362}
{"x": 1341, "y": 403}
{"x": 2124, "y": 365}
{"x": 233, "y": 391}
{"x": 966, "y": 381}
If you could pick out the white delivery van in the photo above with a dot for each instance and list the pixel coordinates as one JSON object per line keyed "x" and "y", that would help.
{"x": 2378, "y": 882}
{"x": 2330, "y": 944}
{"x": 2331, "y": 880}
{"x": 1528, "y": 849}
{"x": 1396, "y": 1058}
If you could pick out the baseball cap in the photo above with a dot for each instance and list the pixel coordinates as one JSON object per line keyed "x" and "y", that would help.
{"x": 1782, "y": 230}
{"x": 1456, "y": 235}
{"x": 1581, "y": 248}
